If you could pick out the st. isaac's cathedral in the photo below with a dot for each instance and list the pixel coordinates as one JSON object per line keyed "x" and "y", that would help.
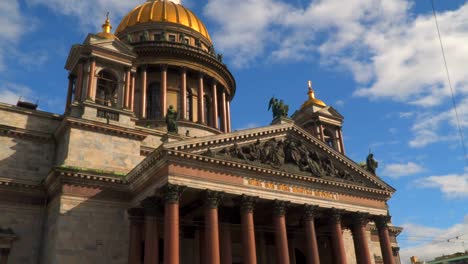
{"x": 143, "y": 168}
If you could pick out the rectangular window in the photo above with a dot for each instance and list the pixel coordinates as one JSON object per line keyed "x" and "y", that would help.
{"x": 187, "y": 41}
{"x": 172, "y": 38}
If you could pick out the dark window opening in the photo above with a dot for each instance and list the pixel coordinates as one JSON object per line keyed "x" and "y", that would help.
{"x": 106, "y": 92}
{"x": 153, "y": 101}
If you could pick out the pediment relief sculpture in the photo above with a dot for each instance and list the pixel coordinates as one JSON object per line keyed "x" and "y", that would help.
{"x": 289, "y": 154}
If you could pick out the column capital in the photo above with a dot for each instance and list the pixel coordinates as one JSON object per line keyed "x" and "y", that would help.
{"x": 336, "y": 214}
{"x": 310, "y": 211}
{"x": 163, "y": 67}
{"x": 172, "y": 193}
{"x": 279, "y": 207}
{"x": 143, "y": 67}
{"x": 92, "y": 59}
{"x": 135, "y": 214}
{"x": 213, "y": 199}
{"x": 150, "y": 205}
{"x": 382, "y": 221}
{"x": 247, "y": 203}
{"x": 360, "y": 218}
{"x": 183, "y": 69}
{"x": 201, "y": 74}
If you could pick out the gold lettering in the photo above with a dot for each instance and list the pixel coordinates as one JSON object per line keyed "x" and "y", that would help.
{"x": 255, "y": 183}
{"x": 269, "y": 185}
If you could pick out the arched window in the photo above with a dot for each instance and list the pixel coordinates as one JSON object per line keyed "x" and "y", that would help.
{"x": 153, "y": 100}
{"x": 189, "y": 98}
{"x": 106, "y": 91}
{"x": 329, "y": 138}
{"x": 207, "y": 113}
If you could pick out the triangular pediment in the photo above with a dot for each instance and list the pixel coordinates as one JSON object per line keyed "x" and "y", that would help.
{"x": 284, "y": 148}
{"x": 114, "y": 45}
{"x": 330, "y": 111}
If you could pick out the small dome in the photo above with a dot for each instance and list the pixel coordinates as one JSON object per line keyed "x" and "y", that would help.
{"x": 312, "y": 100}
{"x": 163, "y": 11}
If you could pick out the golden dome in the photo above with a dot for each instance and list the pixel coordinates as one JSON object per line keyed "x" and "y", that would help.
{"x": 163, "y": 11}
{"x": 312, "y": 99}
{"x": 106, "y": 30}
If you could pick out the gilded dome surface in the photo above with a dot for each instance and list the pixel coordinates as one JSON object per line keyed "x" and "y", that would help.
{"x": 163, "y": 11}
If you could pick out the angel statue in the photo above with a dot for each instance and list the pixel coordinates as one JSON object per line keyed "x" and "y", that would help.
{"x": 279, "y": 108}
{"x": 371, "y": 163}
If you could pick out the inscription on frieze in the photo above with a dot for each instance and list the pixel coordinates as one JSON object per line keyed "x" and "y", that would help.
{"x": 290, "y": 189}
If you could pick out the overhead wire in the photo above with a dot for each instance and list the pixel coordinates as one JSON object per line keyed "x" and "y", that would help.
{"x": 460, "y": 131}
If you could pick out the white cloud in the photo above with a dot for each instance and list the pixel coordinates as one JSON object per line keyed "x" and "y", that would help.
{"x": 10, "y": 93}
{"x": 427, "y": 242}
{"x": 13, "y": 26}
{"x": 404, "y": 169}
{"x": 91, "y": 14}
{"x": 452, "y": 185}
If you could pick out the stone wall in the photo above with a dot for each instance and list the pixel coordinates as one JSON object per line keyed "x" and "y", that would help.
{"x": 24, "y": 159}
{"x": 26, "y": 222}
{"x": 89, "y": 231}
{"x": 100, "y": 151}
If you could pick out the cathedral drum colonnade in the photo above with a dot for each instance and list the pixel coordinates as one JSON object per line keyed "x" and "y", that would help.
{"x": 145, "y": 156}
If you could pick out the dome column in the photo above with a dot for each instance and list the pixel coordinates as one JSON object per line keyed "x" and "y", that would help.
{"x": 71, "y": 81}
{"x": 183, "y": 96}
{"x": 143, "y": 91}
{"x": 79, "y": 82}
{"x": 92, "y": 68}
{"x": 163, "y": 90}
{"x": 201, "y": 101}
{"x": 223, "y": 110}
{"x": 132, "y": 94}
{"x": 215, "y": 105}
{"x": 127, "y": 89}
{"x": 228, "y": 115}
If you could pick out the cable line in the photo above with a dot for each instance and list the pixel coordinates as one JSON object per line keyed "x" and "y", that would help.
{"x": 462, "y": 139}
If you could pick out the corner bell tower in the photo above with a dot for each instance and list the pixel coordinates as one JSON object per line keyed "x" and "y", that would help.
{"x": 322, "y": 121}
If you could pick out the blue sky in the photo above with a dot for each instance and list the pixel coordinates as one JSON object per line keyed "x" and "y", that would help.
{"x": 377, "y": 62}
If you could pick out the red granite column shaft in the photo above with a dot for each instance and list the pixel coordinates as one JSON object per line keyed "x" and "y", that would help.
{"x": 136, "y": 226}
{"x": 384, "y": 238}
{"x": 163, "y": 90}
{"x": 361, "y": 245}
{"x": 226, "y": 244}
{"x": 212, "y": 227}
{"x": 79, "y": 82}
{"x": 172, "y": 195}
{"x": 215, "y": 105}
{"x": 337, "y": 238}
{"x": 312, "y": 251}
{"x": 248, "y": 230}
{"x": 281, "y": 238}
{"x": 201, "y": 100}
{"x": 183, "y": 94}
{"x": 70, "y": 91}
{"x": 150, "y": 206}
{"x": 143, "y": 92}
{"x": 128, "y": 81}
{"x": 92, "y": 69}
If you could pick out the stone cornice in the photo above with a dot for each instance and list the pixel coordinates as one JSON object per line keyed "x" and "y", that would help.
{"x": 18, "y": 184}
{"x": 277, "y": 173}
{"x": 25, "y": 133}
{"x": 38, "y": 113}
{"x": 157, "y": 155}
{"x": 101, "y": 127}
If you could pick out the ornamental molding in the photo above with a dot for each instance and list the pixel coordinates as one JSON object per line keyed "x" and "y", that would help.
{"x": 16, "y": 132}
{"x": 102, "y": 127}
